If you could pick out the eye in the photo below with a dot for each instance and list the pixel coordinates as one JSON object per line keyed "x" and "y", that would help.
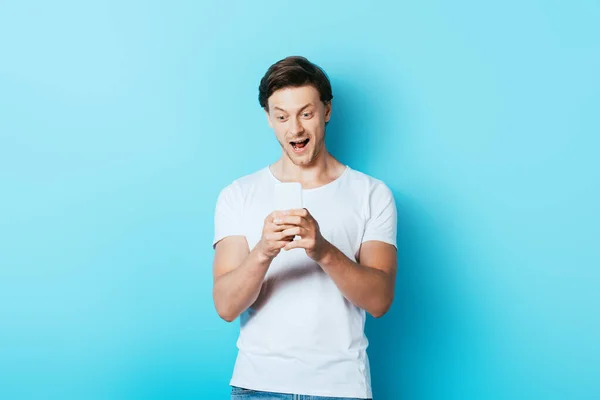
{"x": 307, "y": 114}
{"x": 281, "y": 117}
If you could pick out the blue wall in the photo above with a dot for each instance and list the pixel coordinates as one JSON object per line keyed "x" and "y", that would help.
{"x": 120, "y": 121}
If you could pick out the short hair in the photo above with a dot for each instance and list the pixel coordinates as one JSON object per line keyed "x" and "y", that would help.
{"x": 293, "y": 71}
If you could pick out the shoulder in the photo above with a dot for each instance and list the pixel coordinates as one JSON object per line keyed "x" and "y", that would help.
{"x": 367, "y": 184}
{"x": 240, "y": 187}
{"x": 255, "y": 178}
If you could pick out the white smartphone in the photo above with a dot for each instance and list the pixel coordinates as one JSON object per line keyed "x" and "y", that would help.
{"x": 288, "y": 196}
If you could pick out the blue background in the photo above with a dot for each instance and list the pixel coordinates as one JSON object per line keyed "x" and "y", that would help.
{"x": 120, "y": 121}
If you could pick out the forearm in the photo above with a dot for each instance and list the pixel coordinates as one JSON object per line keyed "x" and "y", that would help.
{"x": 366, "y": 287}
{"x": 238, "y": 289}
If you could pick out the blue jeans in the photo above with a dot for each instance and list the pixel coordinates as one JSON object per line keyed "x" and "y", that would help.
{"x": 238, "y": 393}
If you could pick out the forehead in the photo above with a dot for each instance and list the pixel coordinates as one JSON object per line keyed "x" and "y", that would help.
{"x": 293, "y": 98}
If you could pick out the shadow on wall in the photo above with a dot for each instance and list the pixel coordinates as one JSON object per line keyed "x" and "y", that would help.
{"x": 417, "y": 350}
{"x": 407, "y": 345}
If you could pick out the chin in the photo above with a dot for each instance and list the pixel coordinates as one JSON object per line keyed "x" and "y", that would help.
{"x": 305, "y": 159}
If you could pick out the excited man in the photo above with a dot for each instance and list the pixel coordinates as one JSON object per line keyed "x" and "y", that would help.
{"x": 302, "y": 303}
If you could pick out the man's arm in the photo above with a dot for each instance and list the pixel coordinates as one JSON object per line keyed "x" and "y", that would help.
{"x": 368, "y": 284}
{"x": 238, "y": 276}
{"x": 239, "y": 273}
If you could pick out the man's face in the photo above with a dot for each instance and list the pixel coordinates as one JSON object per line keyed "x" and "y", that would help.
{"x": 298, "y": 117}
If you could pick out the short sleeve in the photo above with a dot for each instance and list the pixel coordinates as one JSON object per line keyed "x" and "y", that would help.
{"x": 228, "y": 214}
{"x": 382, "y": 216}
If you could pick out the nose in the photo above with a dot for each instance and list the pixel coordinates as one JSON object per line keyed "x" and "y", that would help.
{"x": 296, "y": 127}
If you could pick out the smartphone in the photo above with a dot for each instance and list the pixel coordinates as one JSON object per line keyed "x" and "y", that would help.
{"x": 288, "y": 196}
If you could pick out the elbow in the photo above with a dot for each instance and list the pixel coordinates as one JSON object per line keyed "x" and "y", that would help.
{"x": 228, "y": 317}
{"x": 224, "y": 313}
{"x": 378, "y": 313}
{"x": 381, "y": 309}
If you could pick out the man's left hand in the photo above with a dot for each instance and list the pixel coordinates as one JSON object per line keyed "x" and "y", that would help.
{"x": 305, "y": 226}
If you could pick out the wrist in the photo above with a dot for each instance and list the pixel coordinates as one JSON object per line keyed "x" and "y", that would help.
{"x": 328, "y": 253}
{"x": 261, "y": 256}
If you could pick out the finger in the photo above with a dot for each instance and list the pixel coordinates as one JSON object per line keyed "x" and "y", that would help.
{"x": 273, "y": 215}
{"x": 295, "y": 230}
{"x": 282, "y": 243}
{"x": 276, "y": 216}
{"x": 278, "y": 244}
{"x": 292, "y": 220}
{"x": 278, "y": 236}
{"x": 280, "y": 228}
{"x": 297, "y": 244}
{"x": 299, "y": 212}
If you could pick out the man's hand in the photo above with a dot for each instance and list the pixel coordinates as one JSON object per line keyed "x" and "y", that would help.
{"x": 369, "y": 285}
{"x": 274, "y": 236}
{"x": 300, "y": 222}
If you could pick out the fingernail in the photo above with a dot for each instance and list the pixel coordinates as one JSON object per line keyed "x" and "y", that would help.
{"x": 277, "y": 221}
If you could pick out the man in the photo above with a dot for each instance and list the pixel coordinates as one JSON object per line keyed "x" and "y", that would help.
{"x": 302, "y": 301}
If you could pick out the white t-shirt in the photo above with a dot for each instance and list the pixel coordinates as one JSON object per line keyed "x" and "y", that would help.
{"x": 301, "y": 335}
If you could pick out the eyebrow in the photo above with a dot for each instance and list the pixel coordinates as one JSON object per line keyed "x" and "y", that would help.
{"x": 281, "y": 109}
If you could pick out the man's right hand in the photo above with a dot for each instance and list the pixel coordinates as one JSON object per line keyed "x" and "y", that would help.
{"x": 273, "y": 239}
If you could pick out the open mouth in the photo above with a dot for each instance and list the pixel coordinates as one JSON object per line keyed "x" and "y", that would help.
{"x": 299, "y": 145}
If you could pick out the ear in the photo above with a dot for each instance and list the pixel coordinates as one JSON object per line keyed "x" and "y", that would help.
{"x": 328, "y": 111}
{"x": 268, "y": 117}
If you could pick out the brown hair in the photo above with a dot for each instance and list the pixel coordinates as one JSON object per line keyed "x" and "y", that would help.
{"x": 293, "y": 71}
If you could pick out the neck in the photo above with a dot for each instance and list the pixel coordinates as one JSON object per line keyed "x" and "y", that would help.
{"x": 323, "y": 170}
